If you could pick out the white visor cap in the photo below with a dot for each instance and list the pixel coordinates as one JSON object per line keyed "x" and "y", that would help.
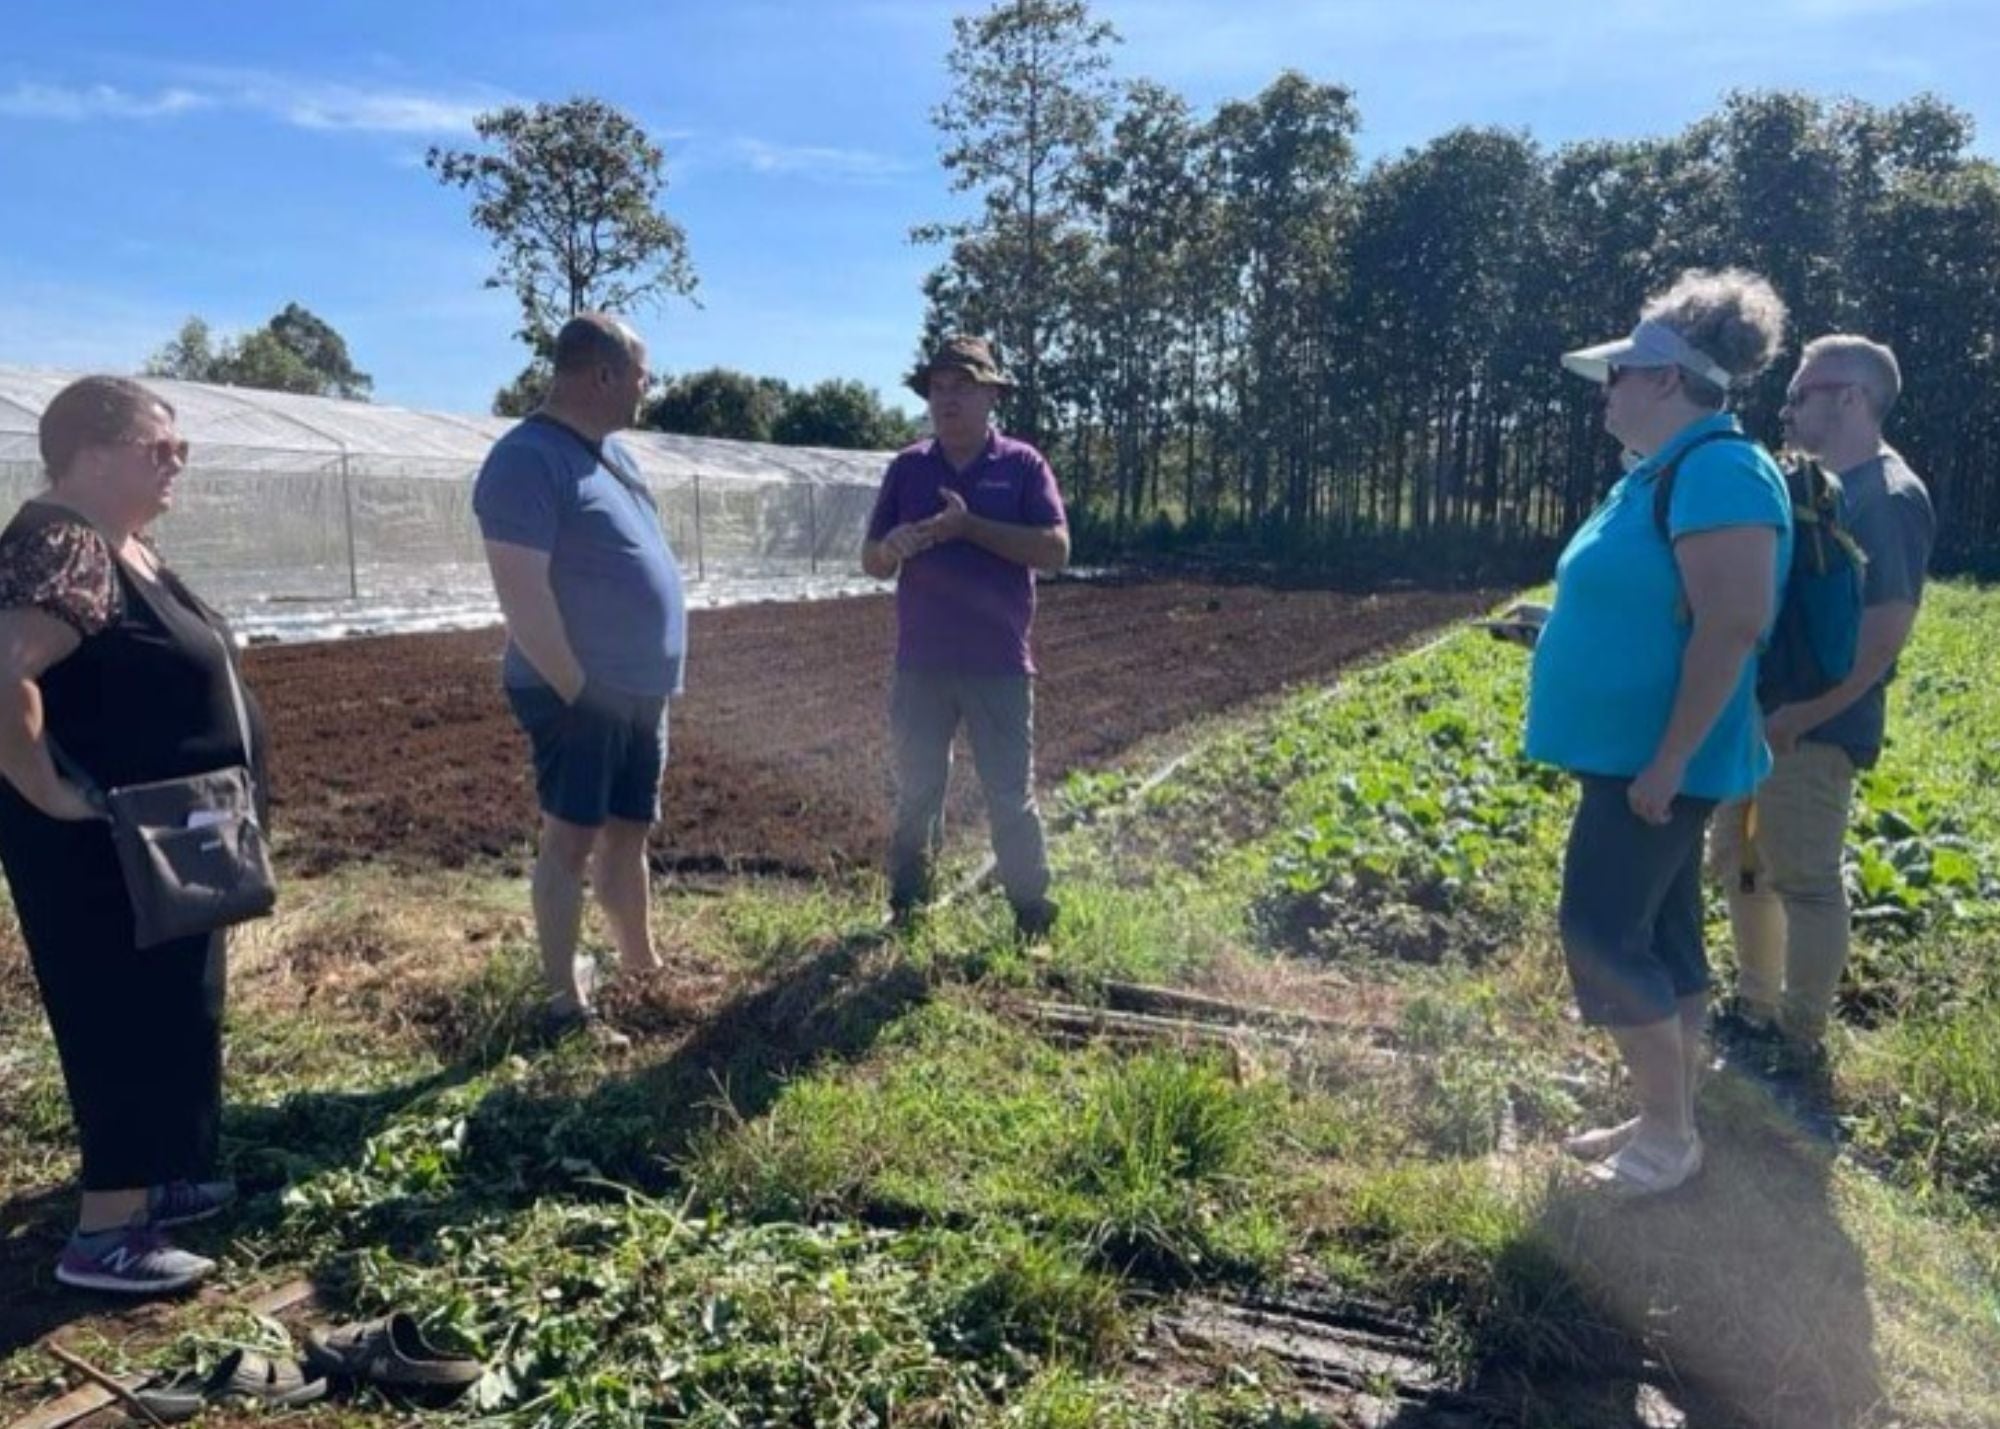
{"x": 1651, "y": 344}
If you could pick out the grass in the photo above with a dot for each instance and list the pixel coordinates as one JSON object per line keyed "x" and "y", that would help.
{"x": 847, "y": 1182}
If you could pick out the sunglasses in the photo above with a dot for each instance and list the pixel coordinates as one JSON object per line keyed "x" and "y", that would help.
{"x": 1796, "y": 395}
{"x": 1614, "y": 375}
{"x": 161, "y": 449}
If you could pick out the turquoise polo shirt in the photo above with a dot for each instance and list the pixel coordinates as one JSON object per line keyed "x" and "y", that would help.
{"x": 1608, "y": 663}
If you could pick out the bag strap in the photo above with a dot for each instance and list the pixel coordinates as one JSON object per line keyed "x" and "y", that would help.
{"x": 236, "y": 698}
{"x": 600, "y": 452}
{"x": 76, "y": 774}
{"x": 1663, "y": 479}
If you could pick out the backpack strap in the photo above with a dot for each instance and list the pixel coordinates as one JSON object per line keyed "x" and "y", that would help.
{"x": 1820, "y": 521}
{"x": 1663, "y": 479}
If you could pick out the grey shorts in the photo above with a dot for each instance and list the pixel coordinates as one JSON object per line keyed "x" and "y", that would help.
{"x": 599, "y": 758}
{"x": 1631, "y": 911}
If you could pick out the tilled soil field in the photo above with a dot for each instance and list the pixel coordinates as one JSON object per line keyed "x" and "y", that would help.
{"x": 401, "y": 748}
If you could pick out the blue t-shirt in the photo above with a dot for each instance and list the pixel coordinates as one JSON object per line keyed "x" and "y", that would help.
{"x": 1608, "y": 663}
{"x": 547, "y": 487}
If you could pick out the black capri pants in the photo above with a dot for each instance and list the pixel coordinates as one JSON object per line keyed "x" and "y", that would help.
{"x": 1631, "y": 911}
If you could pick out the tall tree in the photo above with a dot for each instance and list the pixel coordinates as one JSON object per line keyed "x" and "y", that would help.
{"x": 1287, "y": 162}
{"x": 1028, "y": 100}
{"x": 1142, "y": 195}
{"x": 570, "y": 195}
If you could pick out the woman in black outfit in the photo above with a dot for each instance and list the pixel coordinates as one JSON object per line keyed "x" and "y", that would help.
{"x": 104, "y": 652}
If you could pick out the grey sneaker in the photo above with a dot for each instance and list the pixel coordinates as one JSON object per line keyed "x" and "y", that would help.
{"x": 130, "y": 1260}
{"x": 180, "y": 1203}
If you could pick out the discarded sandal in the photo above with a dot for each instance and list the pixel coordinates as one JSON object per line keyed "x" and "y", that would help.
{"x": 243, "y": 1377}
{"x": 1639, "y": 1169}
{"x": 389, "y": 1352}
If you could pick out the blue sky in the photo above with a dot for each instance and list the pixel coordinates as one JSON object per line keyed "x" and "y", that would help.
{"x": 219, "y": 158}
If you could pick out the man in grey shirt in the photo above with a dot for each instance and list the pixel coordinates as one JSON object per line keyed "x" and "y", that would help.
{"x": 1779, "y": 855}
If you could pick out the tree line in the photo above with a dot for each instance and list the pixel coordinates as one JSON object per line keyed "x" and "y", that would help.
{"x": 298, "y": 351}
{"x": 1226, "y": 327}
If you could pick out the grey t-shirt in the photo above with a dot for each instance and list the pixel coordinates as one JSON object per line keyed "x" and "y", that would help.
{"x": 1889, "y": 515}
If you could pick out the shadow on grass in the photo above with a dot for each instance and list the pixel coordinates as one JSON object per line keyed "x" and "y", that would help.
{"x": 1737, "y": 1301}
{"x": 520, "y": 1143}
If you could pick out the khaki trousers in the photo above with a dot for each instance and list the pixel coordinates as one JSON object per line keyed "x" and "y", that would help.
{"x": 1778, "y": 858}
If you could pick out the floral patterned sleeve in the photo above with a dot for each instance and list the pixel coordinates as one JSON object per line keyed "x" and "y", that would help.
{"x": 62, "y": 568}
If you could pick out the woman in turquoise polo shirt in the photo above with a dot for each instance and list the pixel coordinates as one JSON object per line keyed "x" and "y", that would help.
{"x": 1644, "y": 688}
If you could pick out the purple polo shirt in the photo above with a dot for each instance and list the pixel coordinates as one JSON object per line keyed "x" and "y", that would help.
{"x": 960, "y": 609}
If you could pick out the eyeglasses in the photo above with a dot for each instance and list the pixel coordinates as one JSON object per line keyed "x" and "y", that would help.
{"x": 161, "y": 449}
{"x": 1794, "y": 396}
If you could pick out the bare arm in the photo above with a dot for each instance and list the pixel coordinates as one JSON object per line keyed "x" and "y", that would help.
{"x": 528, "y": 604}
{"x": 31, "y": 641}
{"x": 1728, "y": 575}
{"x": 1885, "y": 630}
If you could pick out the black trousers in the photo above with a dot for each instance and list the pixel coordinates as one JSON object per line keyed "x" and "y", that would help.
{"x": 139, "y": 1031}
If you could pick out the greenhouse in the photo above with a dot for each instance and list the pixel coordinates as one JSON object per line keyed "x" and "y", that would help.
{"x": 310, "y": 514}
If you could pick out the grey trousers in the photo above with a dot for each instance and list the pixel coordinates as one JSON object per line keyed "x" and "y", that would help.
{"x": 999, "y": 714}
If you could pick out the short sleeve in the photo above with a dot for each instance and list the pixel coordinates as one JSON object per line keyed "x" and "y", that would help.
{"x": 1727, "y": 484}
{"x": 1042, "y": 503}
{"x": 882, "y": 520}
{"x": 1896, "y": 533}
{"x": 64, "y": 569}
{"x": 516, "y": 496}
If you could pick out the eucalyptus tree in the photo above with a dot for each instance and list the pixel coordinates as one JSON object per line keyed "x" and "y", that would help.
{"x": 570, "y": 195}
{"x": 1029, "y": 96}
{"x": 1142, "y": 198}
{"x": 1287, "y": 162}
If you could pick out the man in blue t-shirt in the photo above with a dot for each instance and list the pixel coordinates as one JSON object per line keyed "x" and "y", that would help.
{"x": 596, "y": 636}
{"x": 1781, "y": 865}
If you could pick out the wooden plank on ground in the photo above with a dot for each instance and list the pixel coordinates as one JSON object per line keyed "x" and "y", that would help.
{"x": 85, "y": 1400}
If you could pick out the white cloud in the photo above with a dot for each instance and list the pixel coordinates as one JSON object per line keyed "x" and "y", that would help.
{"x": 319, "y": 105}
{"x": 303, "y": 103}
{"x": 815, "y": 161}
{"x": 97, "y": 101}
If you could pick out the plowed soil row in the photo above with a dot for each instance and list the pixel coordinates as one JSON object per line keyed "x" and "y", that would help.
{"x": 402, "y": 749}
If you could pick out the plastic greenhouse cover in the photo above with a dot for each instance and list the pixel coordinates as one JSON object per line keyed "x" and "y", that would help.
{"x": 247, "y": 429}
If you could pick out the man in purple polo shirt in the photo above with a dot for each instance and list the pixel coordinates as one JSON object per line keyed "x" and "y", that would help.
{"x": 963, "y": 522}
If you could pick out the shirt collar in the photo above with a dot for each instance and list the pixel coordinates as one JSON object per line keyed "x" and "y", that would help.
{"x": 1680, "y": 441}
{"x": 986, "y": 452}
